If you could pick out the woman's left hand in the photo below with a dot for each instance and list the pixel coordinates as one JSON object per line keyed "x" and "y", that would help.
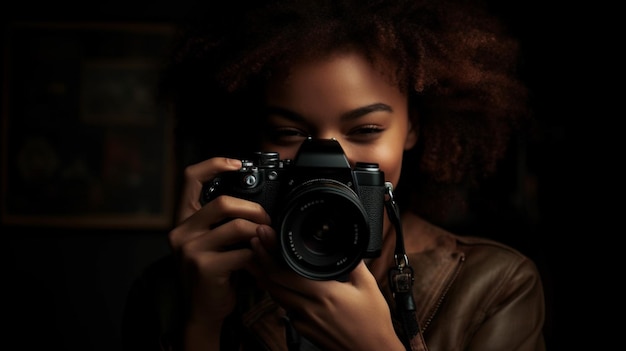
{"x": 346, "y": 315}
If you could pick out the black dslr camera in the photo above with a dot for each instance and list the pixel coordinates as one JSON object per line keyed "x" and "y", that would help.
{"x": 328, "y": 216}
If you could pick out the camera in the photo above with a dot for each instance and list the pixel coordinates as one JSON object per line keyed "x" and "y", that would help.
{"x": 328, "y": 215}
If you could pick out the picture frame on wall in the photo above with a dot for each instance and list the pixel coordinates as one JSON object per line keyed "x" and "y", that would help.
{"x": 85, "y": 141}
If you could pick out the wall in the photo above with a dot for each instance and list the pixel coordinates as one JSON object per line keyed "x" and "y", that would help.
{"x": 65, "y": 289}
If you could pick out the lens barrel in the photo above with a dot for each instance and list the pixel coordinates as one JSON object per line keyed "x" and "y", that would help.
{"x": 324, "y": 230}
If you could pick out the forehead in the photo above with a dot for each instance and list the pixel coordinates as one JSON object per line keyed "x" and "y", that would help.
{"x": 348, "y": 57}
{"x": 338, "y": 75}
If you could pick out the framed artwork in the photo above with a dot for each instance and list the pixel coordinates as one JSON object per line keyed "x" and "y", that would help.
{"x": 84, "y": 140}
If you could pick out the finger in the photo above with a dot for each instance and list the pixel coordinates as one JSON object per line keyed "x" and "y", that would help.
{"x": 361, "y": 276}
{"x": 225, "y": 207}
{"x": 268, "y": 239}
{"x": 226, "y": 262}
{"x": 230, "y": 236}
{"x": 270, "y": 270}
{"x": 195, "y": 176}
{"x": 215, "y": 214}
{"x": 265, "y": 263}
{"x": 269, "y": 256}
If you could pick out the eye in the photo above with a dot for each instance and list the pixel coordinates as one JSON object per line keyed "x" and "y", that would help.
{"x": 366, "y": 131}
{"x": 286, "y": 135}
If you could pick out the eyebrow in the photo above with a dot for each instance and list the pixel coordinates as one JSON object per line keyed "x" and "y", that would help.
{"x": 350, "y": 115}
{"x": 362, "y": 111}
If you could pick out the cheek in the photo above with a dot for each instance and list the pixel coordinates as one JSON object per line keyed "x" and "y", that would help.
{"x": 391, "y": 165}
{"x": 389, "y": 160}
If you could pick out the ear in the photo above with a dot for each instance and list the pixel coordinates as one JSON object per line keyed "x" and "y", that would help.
{"x": 411, "y": 137}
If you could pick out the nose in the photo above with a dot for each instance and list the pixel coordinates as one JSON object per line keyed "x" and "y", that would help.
{"x": 344, "y": 146}
{"x": 326, "y": 136}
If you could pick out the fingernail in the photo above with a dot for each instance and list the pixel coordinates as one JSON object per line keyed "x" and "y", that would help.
{"x": 234, "y": 162}
{"x": 254, "y": 243}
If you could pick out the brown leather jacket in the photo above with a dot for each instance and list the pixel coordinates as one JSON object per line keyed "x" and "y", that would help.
{"x": 470, "y": 293}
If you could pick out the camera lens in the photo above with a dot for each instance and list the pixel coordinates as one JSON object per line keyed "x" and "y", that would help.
{"x": 321, "y": 232}
{"x": 324, "y": 230}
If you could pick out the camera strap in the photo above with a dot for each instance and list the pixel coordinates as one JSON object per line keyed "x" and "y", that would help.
{"x": 401, "y": 275}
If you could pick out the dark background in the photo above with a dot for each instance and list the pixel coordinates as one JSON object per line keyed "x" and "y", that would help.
{"x": 65, "y": 287}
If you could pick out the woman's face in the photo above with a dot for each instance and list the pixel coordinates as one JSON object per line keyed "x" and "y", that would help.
{"x": 346, "y": 98}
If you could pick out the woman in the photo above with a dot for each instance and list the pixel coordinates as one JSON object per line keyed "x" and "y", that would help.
{"x": 424, "y": 89}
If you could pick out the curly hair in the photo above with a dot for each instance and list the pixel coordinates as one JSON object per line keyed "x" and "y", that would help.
{"x": 455, "y": 58}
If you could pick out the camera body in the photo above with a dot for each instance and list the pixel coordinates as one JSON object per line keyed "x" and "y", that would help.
{"x": 328, "y": 216}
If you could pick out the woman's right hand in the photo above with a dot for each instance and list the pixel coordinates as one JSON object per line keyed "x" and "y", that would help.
{"x": 204, "y": 240}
